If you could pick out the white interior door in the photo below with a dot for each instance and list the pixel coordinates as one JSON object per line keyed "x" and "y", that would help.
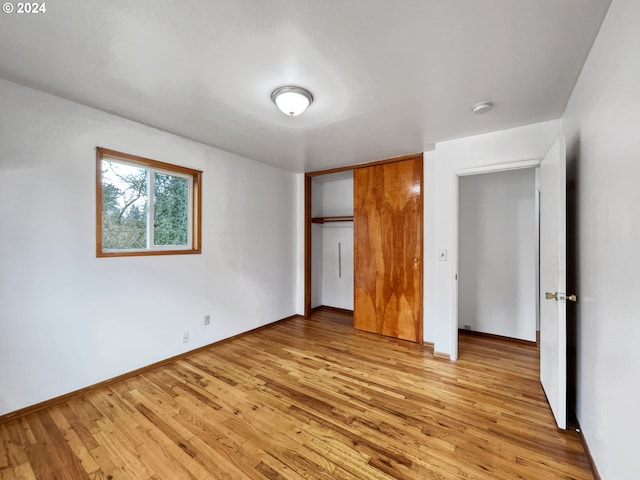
{"x": 553, "y": 254}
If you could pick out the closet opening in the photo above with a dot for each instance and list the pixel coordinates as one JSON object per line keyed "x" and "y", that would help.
{"x": 364, "y": 244}
{"x": 331, "y": 234}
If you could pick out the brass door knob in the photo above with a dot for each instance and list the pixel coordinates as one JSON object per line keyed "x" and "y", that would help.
{"x": 562, "y": 297}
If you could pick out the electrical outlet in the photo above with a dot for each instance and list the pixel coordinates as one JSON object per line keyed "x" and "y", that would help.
{"x": 207, "y": 320}
{"x": 185, "y": 337}
{"x": 467, "y": 326}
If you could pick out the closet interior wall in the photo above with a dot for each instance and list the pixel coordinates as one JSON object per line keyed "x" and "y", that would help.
{"x": 332, "y": 240}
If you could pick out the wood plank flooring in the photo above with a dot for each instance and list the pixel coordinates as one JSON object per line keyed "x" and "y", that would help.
{"x": 307, "y": 399}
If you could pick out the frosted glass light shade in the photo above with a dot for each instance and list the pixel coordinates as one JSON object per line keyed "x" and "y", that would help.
{"x": 292, "y": 100}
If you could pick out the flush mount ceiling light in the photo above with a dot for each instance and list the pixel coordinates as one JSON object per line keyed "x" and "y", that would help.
{"x": 482, "y": 107}
{"x": 292, "y": 100}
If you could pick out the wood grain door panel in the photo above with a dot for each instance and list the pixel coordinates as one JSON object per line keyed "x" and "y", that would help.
{"x": 388, "y": 249}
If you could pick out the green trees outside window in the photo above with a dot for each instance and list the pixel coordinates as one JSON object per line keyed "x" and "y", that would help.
{"x": 171, "y": 210}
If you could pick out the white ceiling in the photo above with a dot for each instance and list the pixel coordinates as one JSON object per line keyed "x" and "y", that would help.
{"x": 389, "y": 78}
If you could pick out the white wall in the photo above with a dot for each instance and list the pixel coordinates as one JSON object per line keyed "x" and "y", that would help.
{"x": 69, "y": 319}
{"x": 602, "y": 123}
{"x": 337, "y": 283}
{"x": 337, "y": 200}
{"x": 496, "y": 269}
{"x": 316, "y": 243}
{"x": 332, "y": 195}
{"x": 316, "y": 265}
{"x": 317, "y": 197}
{"x": 300, "y": 242}
{"x": 493, "y": 151}
{"x": 337, "y": 196}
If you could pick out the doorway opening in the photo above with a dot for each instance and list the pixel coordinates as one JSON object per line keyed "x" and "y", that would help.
{"x": 497, "y": 254}
{"x": 495, "y": 285}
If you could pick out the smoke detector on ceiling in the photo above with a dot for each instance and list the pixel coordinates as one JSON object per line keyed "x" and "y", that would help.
{"x": 482, "y": 107}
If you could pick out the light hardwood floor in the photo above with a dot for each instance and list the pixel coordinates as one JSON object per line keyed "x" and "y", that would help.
{"x": 307, "y": 399}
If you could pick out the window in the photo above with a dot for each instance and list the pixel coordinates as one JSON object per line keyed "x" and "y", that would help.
{"x": 145, "y": 207}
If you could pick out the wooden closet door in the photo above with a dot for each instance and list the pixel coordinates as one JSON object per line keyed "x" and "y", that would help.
{"x": 388, "y": 249}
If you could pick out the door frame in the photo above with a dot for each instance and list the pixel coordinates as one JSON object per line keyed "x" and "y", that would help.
{"x": 308, "y": 176}
{"x": 456, "y": 174}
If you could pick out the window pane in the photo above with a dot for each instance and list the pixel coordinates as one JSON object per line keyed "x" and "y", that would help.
{"x": 170, "y": 210}
{"x": 124, "y": 206}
